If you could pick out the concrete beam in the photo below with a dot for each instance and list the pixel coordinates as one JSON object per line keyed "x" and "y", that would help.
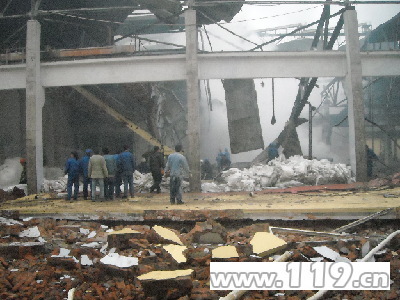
{"x": 211, "y": 66}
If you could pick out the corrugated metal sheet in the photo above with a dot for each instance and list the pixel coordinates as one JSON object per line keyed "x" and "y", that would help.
{"x": 243, "y": 117}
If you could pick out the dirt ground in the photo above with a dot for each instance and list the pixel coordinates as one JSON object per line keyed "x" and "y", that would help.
{"x": 321, "y": 202}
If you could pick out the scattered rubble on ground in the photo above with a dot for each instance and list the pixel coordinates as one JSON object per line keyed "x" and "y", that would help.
{"x": 51, "y": 259}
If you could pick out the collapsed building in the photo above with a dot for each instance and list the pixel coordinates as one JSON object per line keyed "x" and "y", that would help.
{"x": 117, "y": 97}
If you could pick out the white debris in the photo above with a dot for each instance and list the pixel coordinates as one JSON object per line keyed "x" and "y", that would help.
{"x": 104, "y": 226}
{"x": 316, "y": 259}
{"x": 92, "y": 234}
{"x": 104, "y": 249}
{"x": 42, "y": 240}
{"x": 281, "y": 172}
{"x": 10, "y": 172}
{"x": 91, "y": 245}
{"x": 327, "y": 252}
{"x": 30, "y": 232}
{"x": 86, "y": 261}
{"x": 9, "y": 222}
{"x": 84, "y": 231}
{"x": 110, "y": 230}
{"x": 119, "y": 260}
{"x": 64, "y": 253}
{"x": 27, "y": 219}
{"x": 59, "y": 185}
{"x": 14, "y": 270}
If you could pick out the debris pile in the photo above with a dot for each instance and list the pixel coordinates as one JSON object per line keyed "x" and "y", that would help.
{"x": 281, "y": 173}
{"x": 51, "y": 259}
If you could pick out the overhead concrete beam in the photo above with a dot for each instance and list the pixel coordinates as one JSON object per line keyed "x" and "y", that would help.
{"x": 226, "y": 65}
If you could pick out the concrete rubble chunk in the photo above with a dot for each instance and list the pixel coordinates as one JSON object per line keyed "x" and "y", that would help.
{"x": 265, "y": 243}
{"x": 167, "y": 234}
{"x": 120, "y": 239}
{"x": 177, "y": 252}
{"x": 167, "y": 284}
{"x": 18, "y": 250}
{"x": 225, "y": 252}
{"x": 209, "y": 232}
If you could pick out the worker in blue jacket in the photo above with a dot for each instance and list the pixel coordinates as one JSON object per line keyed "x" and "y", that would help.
{"x": 72, "y": 169}
{"x": 83, "y": 166}
{"x": 126, "y": 165}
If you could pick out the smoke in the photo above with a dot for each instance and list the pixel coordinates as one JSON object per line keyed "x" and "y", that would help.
{"x": 10, "y": 172}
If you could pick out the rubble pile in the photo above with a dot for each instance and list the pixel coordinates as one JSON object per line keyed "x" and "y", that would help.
{"x": 53, "y": 259}
{"x": 281, "y": 173}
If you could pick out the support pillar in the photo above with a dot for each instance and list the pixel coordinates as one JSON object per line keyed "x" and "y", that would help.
{"x": 192, "y": 86}
{"x": 354, "y": 91}
{"x": 34, "y": 106}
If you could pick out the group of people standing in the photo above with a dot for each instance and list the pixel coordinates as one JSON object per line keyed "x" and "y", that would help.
{"x": 108, "y": 172}
{"x": 111, "y": 170}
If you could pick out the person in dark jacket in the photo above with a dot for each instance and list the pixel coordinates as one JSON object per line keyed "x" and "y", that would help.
{"x": 23, "y": 178}
{"x": 371, "y": 156}
{"x": 157, "y": 166}
{"x": 126, "y": 162}
{"x": 83, "y": 167}
{"x": 272, "y": 151}
{"x": 109, "y": 181}
{"x": 72, "y": 169}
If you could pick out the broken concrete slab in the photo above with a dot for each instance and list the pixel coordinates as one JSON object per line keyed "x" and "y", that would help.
{"x": 265, "y": 243}
{"x": 18, "y": 250}
{"x": 167, "y": 234}
{"x": 225, "y": 252}
{"x": 177, "y": 252}
{"x": 162, "y": 284}
{"x": 120, "y": 239}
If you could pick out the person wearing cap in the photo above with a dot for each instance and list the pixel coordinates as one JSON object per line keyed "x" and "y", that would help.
{"x": 157, "y": 168}
{"x": 177, "y": 167}
{"x": 23, "y": 178}
{"x": 83, "y": 168}
{"x": 72, "y": 169}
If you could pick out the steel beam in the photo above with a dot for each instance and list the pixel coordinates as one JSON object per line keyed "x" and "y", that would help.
{"x": 211, "y": 66}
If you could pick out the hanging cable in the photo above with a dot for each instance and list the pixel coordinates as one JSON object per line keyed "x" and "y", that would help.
{"x": 296, "y": 30}
{"x": 208, "y": 38}
{"x": 224, "y": 28}
{"x": 273, "y": 119}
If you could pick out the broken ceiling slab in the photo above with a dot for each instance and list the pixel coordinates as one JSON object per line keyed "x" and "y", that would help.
{"x": 167, "y": 234}
{"x": 163, "y": 275}
{"x": 193, "y": 215}
{"x": 176, "y": 252}
{"x": 225, "y": 252}
{"x": 265, "y": 243}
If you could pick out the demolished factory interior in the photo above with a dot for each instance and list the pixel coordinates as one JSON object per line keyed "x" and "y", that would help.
{"x": 71, "y": 121}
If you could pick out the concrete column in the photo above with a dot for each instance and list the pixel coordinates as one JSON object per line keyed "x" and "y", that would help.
{"x": 354, "y": 91}
{"x": 193, "y": 98}
{"x": 34, "y": 105}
